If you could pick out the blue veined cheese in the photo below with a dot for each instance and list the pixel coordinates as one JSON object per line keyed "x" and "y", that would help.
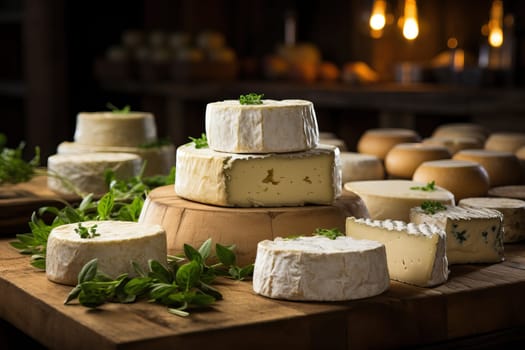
{"x": 271, "y": 127}
{"x": 118, "y": 244}
{"x": 513, "y": 211}
{"x": 474, "y": 235}
{"x": 317, "y": 268}
{"x": 416, "y": 254}
{"x": 258, "y": 180}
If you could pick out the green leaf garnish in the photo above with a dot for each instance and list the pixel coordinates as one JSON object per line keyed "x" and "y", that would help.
{"x": 329, "y": 233}
{"x": 114, "y": 109}
{"x": 201, "y": 142}
{"x": 432, "y": 207}
{"x": 86, "y": 232}
{"x": 156, "y": 144}
{"x": 429, "y": 187}
{"x": 13, "y": 168}
{"x": 251, "y": 99}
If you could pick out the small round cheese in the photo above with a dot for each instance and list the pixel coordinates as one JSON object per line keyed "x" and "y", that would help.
{"x": 503, "y": 167}
{"x": 505, "y": 141}
{"x": 462, "y": 129}
{"x": 379, "y": 141}
{"x": 320, "y": 269}
{"x": 358, "y": 166}
{"x": 404, "y": 158}
{"x": 513, "y": 211}
{"x": 270, "y": 127}
{"x": 455, "y": 144}
{"x": 118, "y": 244}
{"x": 392, "y": 199}
{"x": 462, "y": 178}
{"x": 115, "y": 129}
{"x": 85, "y": 172}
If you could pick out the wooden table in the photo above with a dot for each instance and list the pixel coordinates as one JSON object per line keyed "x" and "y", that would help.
{"x": 478, "y": 303}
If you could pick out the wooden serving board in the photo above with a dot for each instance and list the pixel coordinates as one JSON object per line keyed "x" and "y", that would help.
{"x": 477, "y": 300}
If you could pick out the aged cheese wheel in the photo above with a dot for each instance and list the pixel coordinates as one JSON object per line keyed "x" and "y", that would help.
{"x": 272, "y": 126}
{"x": 517, "y": 191}
{"x": 404, "y": 158}
{"x": 462, "y": 129}
{"x": 192, "y": 223}
{"x": 392, "y": 199}
{"x": 320, "y": 269}
{"x": 116, "y": 246}
{"x": 503, "y": 167}
{"x": 359, "y": 166}
{"x": 115, "y": 129}
{"x": 505, "y": 141}
{"x": 455, "y": 144}
{"x": 379, "y": 141}
{"x": 462, "y": 178}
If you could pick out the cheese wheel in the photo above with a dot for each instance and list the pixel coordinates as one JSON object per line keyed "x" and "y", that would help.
{"x": 85, "y": 172}
{"x": 503, "y": 167}
{"x": 117, "y": 245}
{"x": 341, "y": 144}
{"x": 454, "y": 143}
{"x": 320, "y": 269}
{"x": 188, "y": 222}
{"x": 159, "y": 160}
{"x": 273, "y": 126}
{"x": 115, "y": 129}
{"x": 462, "y": 178}
{"x": 258, "y": 180}
{"x": 404, "y": 158}
{"x": 416, "y": 254}
{"x": 358, "y": 166}
{"x": 379, "y": 141}
{"x": 520, "y": 154}
{"x": 517, "y": 192}
{"x": 505, "y": 141}
{"x": 477, "y": 131}
{"x": 392, "y": 199}
{"x": 513, "y": 211}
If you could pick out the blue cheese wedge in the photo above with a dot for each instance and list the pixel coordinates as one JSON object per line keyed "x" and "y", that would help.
{"x": 258, "y": 180}
{"x": 270, "y": 127}
{"x": 474, "y": 235}
{"x": 116, "y": 245}
{"x": 416, "y": 254}
{"x": 317, "y": 268}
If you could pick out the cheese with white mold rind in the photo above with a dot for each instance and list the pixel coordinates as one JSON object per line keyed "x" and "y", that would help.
{"x": 317, "y": 268}
{"x": 271, "y": 127}
{"x": 416, "y": 254}
{"x": 118, "y": 245}
{"x": 513, "y": 211}
{"x": 474, "y": 235}
{"x": 115, "y": 129}
{"x": 258, "y": 180}
{"x": 393, "y": 199}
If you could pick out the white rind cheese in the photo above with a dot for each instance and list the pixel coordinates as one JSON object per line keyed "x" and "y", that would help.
{"x": 264, "y": 180}
{"x": 474, "y": 235}
{"x": 416, "y": 254}
{"x": 513, "y": 211}
{"x": 115, "y": 129}
{"x": 118, "y": 245}
{"x": 270, "y": 127}
{"x": 86, "y": 171}
{"x": 358, "y": 166}
{"x": 159, "y": 160}
{"x": 320, "y": 269}
{"x": 393, "y": 199}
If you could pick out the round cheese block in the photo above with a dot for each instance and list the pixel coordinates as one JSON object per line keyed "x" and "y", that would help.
{"x": 462, "y": 178}
{"x": 358, "y": 166}
{"x": 85, "y": 172}
{"x": 270, "y": 127}
{"x": 192, "y": 223}
{"x": 379, "y": 141}
{"x": 159, "y": 160}
{"x": 454, "y": 144}
{"x": 320, "y": 269}
{"x": 462, "y": 129}
{"x": 335, "y": 142}
{"x": 517, "y": 191}
{"x": 116, "y": 245}
{"x": 503, "y": 167}
{"x": 115, "y": 129}
{"x": 404, "y": 158}
{"x": 505, "y": 141}
{"x": 513, "y": 211}
{"x": 393, "y": 199}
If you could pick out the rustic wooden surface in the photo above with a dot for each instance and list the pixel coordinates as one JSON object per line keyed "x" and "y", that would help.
{"x": 476, "y": 300}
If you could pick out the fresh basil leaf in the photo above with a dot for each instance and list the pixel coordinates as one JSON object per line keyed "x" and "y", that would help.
{"x": 88, "y": 271}
{"x": 188, "y": 274}
{"x": 225, "y": 255}
{"x": 159, "y": 272}
{"x": 105, "y": 205}
{"x": 192, "y": 254}
{"x": 205, "y": 249}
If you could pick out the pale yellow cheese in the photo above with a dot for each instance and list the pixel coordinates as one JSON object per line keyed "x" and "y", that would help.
{"x": 358, "y": 166}
{"x": 455, "y": 143}
{"x": 505, "y": 141}
{"x": 379, "y": 141}
{"x": 404, "y": 158}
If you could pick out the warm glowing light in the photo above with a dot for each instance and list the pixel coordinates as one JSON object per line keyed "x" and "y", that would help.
{"x": 496, "y": 24}
{"x": 496, "y": 37}
{"x": 378, "y": 17}
{"x": 410, "y": 23}
{"x": 452, "y": 43}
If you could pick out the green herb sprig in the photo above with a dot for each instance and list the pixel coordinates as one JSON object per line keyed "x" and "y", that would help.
{"x": 14, "y": 169}
{"x": 156, "y": 144}
{"x": 251, "y": 99}
{"x": 126, "y": 109}
{"x": 332, "y": 233}
{"x": 201, "y": 142}
{"x": 432, "y": 207}
{"x": 87, "y": 232}
{"x": 429, "y": 187}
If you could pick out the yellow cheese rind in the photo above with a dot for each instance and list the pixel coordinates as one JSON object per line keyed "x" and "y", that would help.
{"x": 403, "y": 159}
{"x": 379, "y": 141}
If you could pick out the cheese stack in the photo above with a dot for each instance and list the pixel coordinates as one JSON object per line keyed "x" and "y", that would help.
{"x": 125, "y": 132}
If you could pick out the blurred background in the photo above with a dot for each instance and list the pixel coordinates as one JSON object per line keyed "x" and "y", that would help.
{"x": 364, "y": 63}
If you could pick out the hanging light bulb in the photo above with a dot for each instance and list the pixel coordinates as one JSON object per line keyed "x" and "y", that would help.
{"x": 496, "y": 24}
{"x": 378, "y": 16}
{"x": 410, "y": 22}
